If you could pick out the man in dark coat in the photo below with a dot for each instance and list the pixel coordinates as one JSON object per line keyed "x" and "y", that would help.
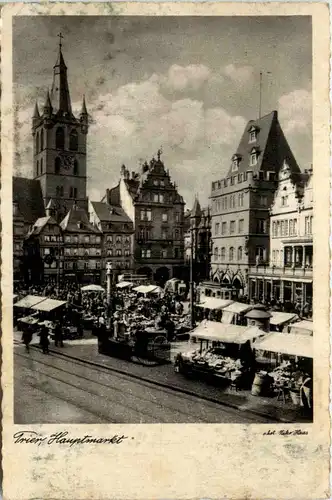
{"x": 44, "y": 340}
{"x": 58, "y": 337}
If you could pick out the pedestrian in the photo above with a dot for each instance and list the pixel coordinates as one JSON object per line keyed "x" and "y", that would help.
{"x": 44, "y": 340}
{"x": 58, "y": 337}
{"x": 306, "y": 392}
{"x": 27, "y": 337}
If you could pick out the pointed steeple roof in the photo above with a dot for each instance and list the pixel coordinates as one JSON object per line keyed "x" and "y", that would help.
{"x": 50, "y": 204}
{"x": 60, "y": 89}
{"x": 36, "y": 111}
{"x": 48, "y": 108}
{"x": 196, "y": 211}
{"x": 84, "y": 111}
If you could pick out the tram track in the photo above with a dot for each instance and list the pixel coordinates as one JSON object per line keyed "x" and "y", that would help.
{"x": 250, "y": 414}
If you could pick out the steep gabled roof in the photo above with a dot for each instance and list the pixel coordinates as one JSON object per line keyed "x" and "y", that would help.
{"x": 28, "y": 195}
{"x": 40, "y": 224}
{"x": 132, "y": 186}
{"x": 77, "y": 221}
{"x": 113, "y": 196}
{"x": 270, "y": 144}
{"x": 108, "y": 213}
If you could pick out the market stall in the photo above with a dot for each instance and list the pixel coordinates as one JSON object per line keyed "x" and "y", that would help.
{"x": 220, "y": 351}
{"x": 291, "y": 364}
{"x": 124, "y": 285}
{"x": 23, "y": 307}
{"x": 280, "y": 320}
{"x": 92, "y": 288}
{"x": 302, "y": 327}
{"x": 211, "y": 307}
{"x": 234, "y": 313}
{"x": 147, "y": 289}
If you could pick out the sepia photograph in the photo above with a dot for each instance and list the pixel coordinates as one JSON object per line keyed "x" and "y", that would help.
{"x": 165, "y": 250}
{"x": 163, "y": 216}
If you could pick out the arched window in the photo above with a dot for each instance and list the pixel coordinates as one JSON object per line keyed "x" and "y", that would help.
{"x": 223, "y": 253}
{"x": 42, "y": 140}
{"x": 216, "y": 253}
{"x": 60, "y": 138}
{"x": 41, "y": 166}
{"x": 57, "y": 165}
{"x": 37, "y": 142}
{"x": 75, "y": 167}
{"x": 73, "y": 140}
{"x": 37, "y": 168}
{"x": 239, "y": 254}
{"x": 231, "y": 254}
{"x": 58, "y": 191}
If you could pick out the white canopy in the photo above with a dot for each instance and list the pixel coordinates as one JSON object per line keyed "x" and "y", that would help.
{"x": 280, "y": 318}
{"x": 92, "y": 288}
{"x": 302, "y": 327}
{"x": 29, "y": 320}
{"x": 124, "y": 284}
{"x": 237, "y": 308}
{"x": 286, "y": 343}
{"x": 145, "y": 288}
{"x": 48, "y": 305}
{"x": 214, "y": 303}
{"x": 29, "y": 301}
{"x": 220, "y": 332}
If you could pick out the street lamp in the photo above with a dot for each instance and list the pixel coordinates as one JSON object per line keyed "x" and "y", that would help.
{"x": 109, "y": 276}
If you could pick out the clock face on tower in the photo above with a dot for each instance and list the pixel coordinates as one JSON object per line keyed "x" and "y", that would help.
{"x": 67, "y": 161}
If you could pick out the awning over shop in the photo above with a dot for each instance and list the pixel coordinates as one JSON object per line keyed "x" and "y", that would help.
{"x": 29, "y": 301}
{"x": 29, "y": 320}
{"x": 48, "y": 305}
{"x": 145, "y": 289}
{"x": 286, "y": 343}
{"x": 280, "y": 318}
{"x": 92, "y": 288}
{"x": 124, "y": 284}
{"x": 302, "y": 327}
{"x": 227, "y": 317}
{"x": 237, "y": 308}
{"x": 213, "y": 303}
{"x": 220, "y": 332}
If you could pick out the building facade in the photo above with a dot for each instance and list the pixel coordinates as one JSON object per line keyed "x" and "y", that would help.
{"x": 59, "y": 145}
{"x": 118, "y": 236}
{"x": 240, "y": 203}
{"x": 288, "y": 277}
{"x": 82, "y": 256}
{"x": 152, "y": 202}
{"x": 198, "y": 229}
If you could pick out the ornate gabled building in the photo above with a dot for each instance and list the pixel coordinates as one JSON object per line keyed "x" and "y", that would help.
{"x": 288, "y": 277}
{"x": 118, "y": 236}
{"x": 59, "y": 145}
{"x": 82, "y": 257}
{"x": 153, "y": 203}
{"x": 241, "y": 202}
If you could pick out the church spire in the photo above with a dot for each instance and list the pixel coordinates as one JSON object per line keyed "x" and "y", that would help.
{"x": 36, "y": 114}
{"x": 60, "y": 88}
{"x": 84, "y": 111}
{"x": 48, "y": 108}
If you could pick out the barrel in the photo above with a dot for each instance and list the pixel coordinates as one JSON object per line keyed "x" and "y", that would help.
{"x": 257, "y": 385}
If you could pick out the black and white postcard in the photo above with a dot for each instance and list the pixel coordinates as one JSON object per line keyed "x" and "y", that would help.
{"x": 165, "y": 250}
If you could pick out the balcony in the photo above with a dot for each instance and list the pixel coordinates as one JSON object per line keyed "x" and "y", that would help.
{"x": 274, "y": 271}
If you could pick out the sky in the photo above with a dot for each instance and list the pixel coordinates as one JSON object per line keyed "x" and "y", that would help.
{"x": 186, "y": 84}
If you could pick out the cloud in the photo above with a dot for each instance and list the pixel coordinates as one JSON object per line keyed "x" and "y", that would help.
{"x": 239, "y": 74}
{"x": 295, "y": 112}
{"x": 188, "y": 77}
{"x": 132, "y": 123}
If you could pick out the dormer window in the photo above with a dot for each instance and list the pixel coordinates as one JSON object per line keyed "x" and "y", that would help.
{"x": 253, "y": 131}
{"x": 235, "y": 162}
{"x": 254, "y": 153}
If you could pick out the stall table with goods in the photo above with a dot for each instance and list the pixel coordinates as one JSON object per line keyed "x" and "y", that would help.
{"x": 220, "y": 351}
{"x": 290, "y": 357}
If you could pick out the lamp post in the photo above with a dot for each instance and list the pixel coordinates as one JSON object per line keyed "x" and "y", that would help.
{"x": 191, "y": 284}
{"x": 109, "y": 276}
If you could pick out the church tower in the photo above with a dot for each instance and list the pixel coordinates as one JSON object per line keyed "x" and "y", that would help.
{"x": 59, "y": 145}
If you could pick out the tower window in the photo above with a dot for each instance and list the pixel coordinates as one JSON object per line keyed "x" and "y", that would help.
{"x": 73, "y": 140}
{"x": 41, "y": 166}
{"x": 37, "y": 142}
{"x": 60, "y": 138}
{"x": 75, "y": 167}
{"x": 59, "y": 191}
{"x": 42, "y": 140}
{"x": 57, "y": 165}
{"x": 37, "y": 168}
